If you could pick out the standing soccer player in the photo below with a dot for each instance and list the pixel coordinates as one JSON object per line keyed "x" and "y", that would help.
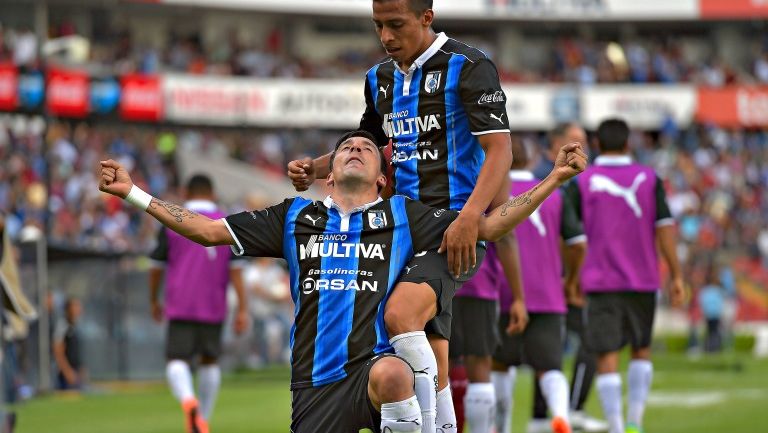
{"x": 196, "y": 280}
{"x": 440, "y": 104}
{"x": 625, "y": 214}
{"x": 541, "y": 343}
{"x": 585, "y": 364}
{"x": 344, "y": 254}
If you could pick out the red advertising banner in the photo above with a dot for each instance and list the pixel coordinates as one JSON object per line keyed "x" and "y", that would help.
{"x": 67, "y": 93}
{"x": 9, "y": 87}
{"x": 734, "y": 8}
{"x": 141, "y": 98}
{"x": 733, "y": 106}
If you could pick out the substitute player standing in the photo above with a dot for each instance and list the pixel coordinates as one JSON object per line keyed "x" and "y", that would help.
{"x": 196, "y": 280}
{"x": 625, "y": 214}
{"x": 344, "y": 256}
{"x": 440, "y": 103}
{"x": 541, "y": 343}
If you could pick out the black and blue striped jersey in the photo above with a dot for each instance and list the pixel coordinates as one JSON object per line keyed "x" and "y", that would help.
{"x": 433, "y": 113}
{"x": 342, "y": 269}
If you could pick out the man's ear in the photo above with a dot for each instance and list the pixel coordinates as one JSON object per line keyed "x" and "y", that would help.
{"x": 381, "y": 182}
{"x": 329, "y": 180}
{"x": 427, "y": 17}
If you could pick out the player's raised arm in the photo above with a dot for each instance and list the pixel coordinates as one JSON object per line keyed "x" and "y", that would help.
{"x": 570, "y": 161}
{"x": 198, "y": 228}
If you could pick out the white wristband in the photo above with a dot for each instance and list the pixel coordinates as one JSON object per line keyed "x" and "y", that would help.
{"x": 139, "y": 198}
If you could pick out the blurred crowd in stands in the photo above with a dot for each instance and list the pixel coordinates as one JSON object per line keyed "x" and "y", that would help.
{"x": 666, "y": 58}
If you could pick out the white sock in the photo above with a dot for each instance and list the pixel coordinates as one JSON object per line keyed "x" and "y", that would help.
{"x": 639, "y": 379}
{"x": 208, "y": 383}
{"x": 503, "y": 385}
{"x": 554, "y": 387}
{"x": 180, "y": 380}
{"x": 401, "y": 416}
{"x": 446, "y": 414}
{"x": 609, "y": 389}
{"x": 479, "y": 407}
{"x": 415, "y": 349}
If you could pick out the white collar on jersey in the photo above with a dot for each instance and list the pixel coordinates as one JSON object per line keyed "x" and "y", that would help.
{"x": 201, "y": 205}
{"x": 442, "y": 38}
{"x": 521, "y": 175}
{"x": 329, "y": 203}
{"x": 613, "y": 160}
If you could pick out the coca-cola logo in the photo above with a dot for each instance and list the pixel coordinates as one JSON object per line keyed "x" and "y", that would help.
{"x": 489, "y": 98}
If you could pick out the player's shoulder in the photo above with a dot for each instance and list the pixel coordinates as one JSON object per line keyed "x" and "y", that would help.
{"x": 472, "y": 54}
{"x": 385, "y": 63}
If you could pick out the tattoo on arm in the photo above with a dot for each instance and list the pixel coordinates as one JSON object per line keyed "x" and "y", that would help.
{"x": 176, "y": 211}
{"x": 517, "y": 201}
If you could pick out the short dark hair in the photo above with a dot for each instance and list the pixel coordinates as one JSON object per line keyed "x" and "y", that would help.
{"x": 612, "y": 135}
{"x": 560, "y": 129}
{"x": 416, "y": 6}
{"x": 359, "y": 133}
{"x": 199, "y": 184}
{"x": 519, "y": 153}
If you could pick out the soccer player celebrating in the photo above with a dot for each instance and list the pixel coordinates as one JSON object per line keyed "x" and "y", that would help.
{"x": 541, "y": 343}
{"x": 344, "y": 255}
{"x": 625, "y": 214}
{"x": 196, "y": 307}
{"x": 440, "y": 104}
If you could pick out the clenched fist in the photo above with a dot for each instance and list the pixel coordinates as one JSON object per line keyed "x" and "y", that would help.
{"x": 114, "y": 179}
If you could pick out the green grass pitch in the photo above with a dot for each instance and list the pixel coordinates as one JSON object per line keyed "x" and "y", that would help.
{"x": 728, "y": 393}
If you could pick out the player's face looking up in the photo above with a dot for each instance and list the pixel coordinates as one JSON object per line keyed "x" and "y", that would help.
{"x": 357, "y": 160}
{"x": 404, "y": 32}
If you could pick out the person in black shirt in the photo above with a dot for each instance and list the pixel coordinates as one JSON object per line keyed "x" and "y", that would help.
{"x": 438, "y": 106}
{"x": 66, "y": 347}
{"x": 344, "y": 255}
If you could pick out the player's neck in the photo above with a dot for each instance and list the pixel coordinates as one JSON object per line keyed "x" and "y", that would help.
{"x": 353, "y": 196}
{"x": 405, "y": 65}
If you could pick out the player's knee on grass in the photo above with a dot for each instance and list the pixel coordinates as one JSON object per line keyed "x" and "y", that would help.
{"x": 389, "y": 380}
{"x": 409, "y": 308}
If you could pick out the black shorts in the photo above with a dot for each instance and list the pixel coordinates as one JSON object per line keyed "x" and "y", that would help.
{"x": 540, "y": 345}
{"x": 187, "y": 339}
{"x": 473, "y": 331}
{"x": 339, "y": 407}
{"x": 617, "y": 318}
{"x": 432, "y": 268}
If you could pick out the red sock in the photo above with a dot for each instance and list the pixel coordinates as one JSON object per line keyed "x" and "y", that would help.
{"x": 458, "y": 380}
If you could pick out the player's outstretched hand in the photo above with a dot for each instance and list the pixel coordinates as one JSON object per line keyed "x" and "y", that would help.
{"x": 570, "y": 161}
{"x": 677, "y": 292}
{"x": 302, "y": 173}
{"x": 114, "y": 179}
{"x": 518, "y": 317}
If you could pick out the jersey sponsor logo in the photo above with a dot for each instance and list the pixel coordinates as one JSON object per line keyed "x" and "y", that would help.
{"x": 497, "y": 96}
{"x": 432, "y": 82}
{"x": 384, "y": 90}
{"x": 499, "y": 117}
{"x": 377, "y": 219}
{"x": 314, "y": 220}
{"x": 316, "y": 247}
{"x": 310, "y": 285}
{"x": 338, "y": 271}
{"x": 397, "y": 124}
{"x": 418, "y": 154}
{"x": 600, "y": 183}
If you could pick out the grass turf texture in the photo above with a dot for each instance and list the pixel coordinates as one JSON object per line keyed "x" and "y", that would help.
{"x": 726, "y": 393}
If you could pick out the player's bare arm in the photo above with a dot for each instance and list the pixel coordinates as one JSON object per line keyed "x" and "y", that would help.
{"x": 570, "y": 161}
{"x": 573, "y": 259}
{"x": 460, "y": 238}
{"x": 667, "y": 241}
{"x": 509, "y": 258}
{"x": 114, "y": 179}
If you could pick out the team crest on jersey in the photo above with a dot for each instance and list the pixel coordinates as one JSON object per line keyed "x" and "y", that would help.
{"x": 377, "y": 219}
{"x": 432, "y": 83}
